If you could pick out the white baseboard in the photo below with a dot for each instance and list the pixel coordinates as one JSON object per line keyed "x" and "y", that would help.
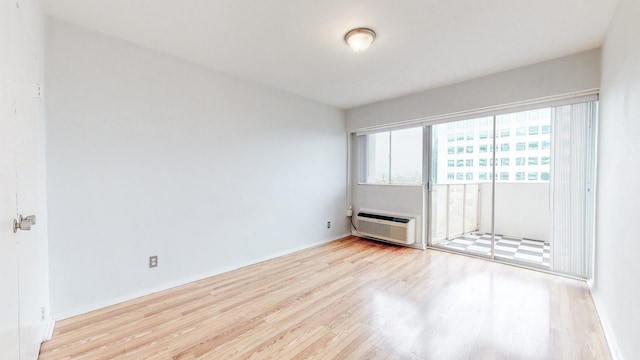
{"x": 48, "y": 329}
{"x": 102, "y": 304}
{"x": 609, "y": 334}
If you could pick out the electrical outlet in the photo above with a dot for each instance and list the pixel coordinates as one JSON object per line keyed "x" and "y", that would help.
{"x": 328, "y": 224}
{"x": 42, "y": 312}
{"x": 153, "y": 261}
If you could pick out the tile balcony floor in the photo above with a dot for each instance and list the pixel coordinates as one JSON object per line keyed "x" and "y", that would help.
{"x": 535, "y": 252}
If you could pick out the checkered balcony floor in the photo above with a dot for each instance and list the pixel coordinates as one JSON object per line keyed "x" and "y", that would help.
{"x": 531, "y": 251}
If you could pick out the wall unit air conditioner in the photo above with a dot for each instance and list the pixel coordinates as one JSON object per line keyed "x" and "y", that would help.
{"x": 397, "y": 229}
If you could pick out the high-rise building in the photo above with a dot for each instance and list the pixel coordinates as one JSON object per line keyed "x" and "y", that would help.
{"x": 464, "y": 150}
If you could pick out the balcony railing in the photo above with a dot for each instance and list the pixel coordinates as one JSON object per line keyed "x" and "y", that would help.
{"x": 521, "y": 210}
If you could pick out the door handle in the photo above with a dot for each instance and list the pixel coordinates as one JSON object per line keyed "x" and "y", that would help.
{"x": 24, "y": 223}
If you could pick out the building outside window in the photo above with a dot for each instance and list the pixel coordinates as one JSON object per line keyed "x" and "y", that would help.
{"x": 524, "y": 148}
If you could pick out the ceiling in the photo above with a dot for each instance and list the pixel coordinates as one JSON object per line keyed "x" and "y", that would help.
{"x": 298, "y": 46}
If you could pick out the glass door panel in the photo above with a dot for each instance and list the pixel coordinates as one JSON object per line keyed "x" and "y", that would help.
{"x": 460, "y": 176}
{"x": 522, "y": 212}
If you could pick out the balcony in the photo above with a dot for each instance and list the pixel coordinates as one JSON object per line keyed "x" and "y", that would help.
{"x": 462, "y": 220}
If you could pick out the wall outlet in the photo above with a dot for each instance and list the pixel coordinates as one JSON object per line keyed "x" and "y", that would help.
{"x": 328, "y": 224}
{"x": 153, "y": 261}
{"x": 349, "y": 212}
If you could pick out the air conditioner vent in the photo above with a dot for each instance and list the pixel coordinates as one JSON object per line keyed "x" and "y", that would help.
{"x": 384, "y": 217}
{"x": 387, "y": 227}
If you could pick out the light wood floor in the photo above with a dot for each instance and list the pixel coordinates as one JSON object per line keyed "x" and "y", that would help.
{"x": 349, "y": 299}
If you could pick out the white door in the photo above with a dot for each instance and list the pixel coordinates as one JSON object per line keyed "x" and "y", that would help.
{"x": 9, "y": 339}
{"x": 32, "y": 257}
{"x": 23, "y": 258}
{"x": 8, "y": 242}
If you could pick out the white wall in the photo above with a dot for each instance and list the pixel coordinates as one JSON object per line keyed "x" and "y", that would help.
{"x": 522, "y": 210}
{"x": 574, "y": 73}
{"x": 616, "y": 288}
{"x": 152, "y": 155}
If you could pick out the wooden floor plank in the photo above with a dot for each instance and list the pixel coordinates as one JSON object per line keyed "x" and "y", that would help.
{"x": 348, "y": 299}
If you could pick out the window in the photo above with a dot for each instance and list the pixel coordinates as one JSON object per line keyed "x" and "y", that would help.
{"x": 504, "y": 161}
{"x": 482, "y": 176}
{"x": 545, "y": 113}
{"x": 460, "y": 150}
{"x": 533, "y": 130}
{"x": 460, "y": 136}
{"x": 504, "y": 147}
{"x": 451, "y": 137}
{"x": 393, "y": 157}
{"x": 378, "y": 147}
{"x": 470, "y": 123}
{"x": 533, "y": 160}
{"x": 546, "y": 160}
{"x": 406, "y": 156}
{"x": 532, "y": 176}
{"x": 459, "y": 176}
{"x": 469, "y": 162}
{"x": 451, "y": 150}
{"x": 505, "y": 132}
{"x": 503, "y": 119}
{"x": 483, "y": 148}
{"x": 469, "y": 176}
{"x": 484, "y": 121}
{"x": 544, "y": 176}
{"x": 533, "y": 145}
{"x": 482, "y": 162}
{"x": 460, "y": 163}
{"x": 483, "y": 134}
{"x": 450, "y": 163}
{"x": 520, "y": 175}
{"x": 520, "y": 161}
{"x": 546, "y": 145}
{"x": 451, "y": 176}
{"x": 546, "y": 129}
{"x": 533, "y": 114}
{"x": 504, "y": 176}
{"x": 521, "y": 146}
{"x": 470, "y": 136}
{"x": 521, "y": 131}
{"x": 469, "y": 149}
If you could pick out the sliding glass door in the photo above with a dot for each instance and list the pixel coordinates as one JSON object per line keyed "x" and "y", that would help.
{"x": 516, "y": 187}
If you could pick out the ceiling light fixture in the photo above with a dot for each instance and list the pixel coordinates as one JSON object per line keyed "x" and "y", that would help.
{"x": 360, "y": 39}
